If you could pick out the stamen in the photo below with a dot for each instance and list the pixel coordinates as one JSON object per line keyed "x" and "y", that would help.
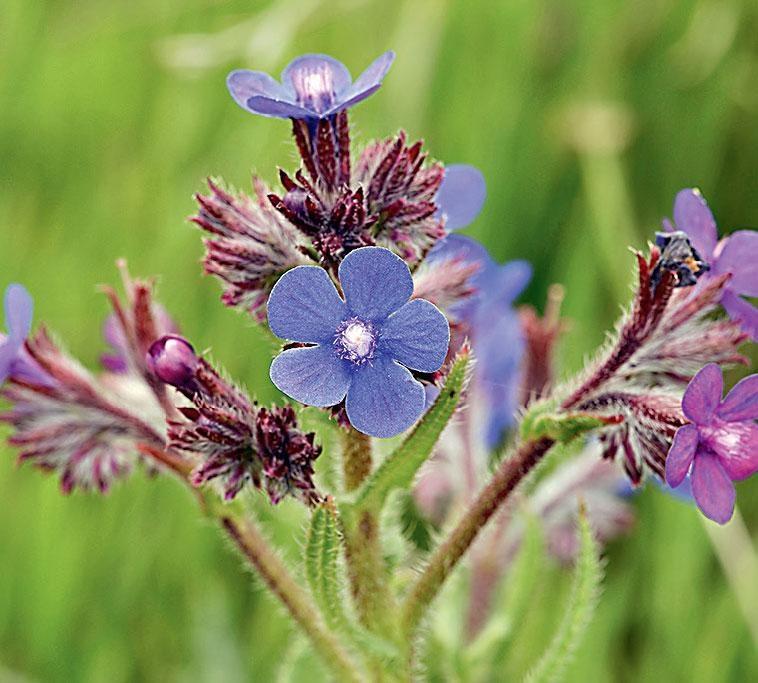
{"x": 355, "y": 341}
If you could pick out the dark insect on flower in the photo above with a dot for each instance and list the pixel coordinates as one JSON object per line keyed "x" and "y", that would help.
{"x": 680, "y": 257}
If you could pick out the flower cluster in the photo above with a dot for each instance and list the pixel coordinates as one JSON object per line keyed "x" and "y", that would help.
{"x": 236, "y": 441}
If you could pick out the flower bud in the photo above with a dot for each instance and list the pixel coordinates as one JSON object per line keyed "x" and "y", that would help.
{"x": 173, "y": 361}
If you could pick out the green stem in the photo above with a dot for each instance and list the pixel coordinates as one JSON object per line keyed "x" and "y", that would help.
{"x": 275, "y": 575}
{"x": 508, "y": 475}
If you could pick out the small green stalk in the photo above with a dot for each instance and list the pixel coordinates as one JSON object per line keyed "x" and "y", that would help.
{"x": 508, "y": 475}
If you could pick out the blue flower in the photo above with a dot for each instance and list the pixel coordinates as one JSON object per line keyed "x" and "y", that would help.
{"x": 312, "y": 87}
{"x": 362, "y": 346}
{"x": 461, "y": 195}
{"x": 494, "y": 328}
{"x": 14, "y": 359}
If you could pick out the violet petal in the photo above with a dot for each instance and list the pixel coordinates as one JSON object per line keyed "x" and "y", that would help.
{"x": 304, "y": 306}
{"x": 375, "y": 282}
{"x": 741, "y": 403}
{"x": 742, "y": 311}
{"x": 681, "y": 454}
{"x": 736, "y": 445}
{"x": 366, "y": 84}
{"x": 713, "y": 490}
{"x": 740, "y": 258}
{"x": 417, "y": 335}
{"x": 461, "y": 195}
{"x": 312, "y": 375}
{"x": 8, "y": 352}
{"x": 384, "y": 398}
{"x": 19, "y": 308}
{"x": 244, "y": 84}
{"x": 703, "y": 395}
{"x": 265, "y": 106}
{"x": 691, "y": 214}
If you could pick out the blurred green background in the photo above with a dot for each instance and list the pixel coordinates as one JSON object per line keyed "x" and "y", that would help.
{"x": 586, "y": 118}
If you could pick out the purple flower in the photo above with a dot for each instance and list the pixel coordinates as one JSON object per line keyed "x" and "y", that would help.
{"x": 313, "y": 87}
{"x": 361, "y": 349}
{"x": 461, "y": 195}
{"x": 494, "y": 328}
{"x": 14, "y": 359}
{"x": 736, "y": 254}
{"x": 720, "y": 445}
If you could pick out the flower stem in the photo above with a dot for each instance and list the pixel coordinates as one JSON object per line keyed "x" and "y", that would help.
{"x": 363, "y": 552}
{"x": 508, "y": 475}
{"x": 277, "y": 578}
{"x": 356, "y": 459}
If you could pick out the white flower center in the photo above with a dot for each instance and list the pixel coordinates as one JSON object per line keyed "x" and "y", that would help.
{"x": 355, "y": 341}
{"x": 315, "y": 88}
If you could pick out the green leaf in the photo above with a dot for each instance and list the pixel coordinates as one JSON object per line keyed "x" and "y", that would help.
{"x": 580, "y": 607}
{"x": 322, "y": 571}
{"x": 540, "y": 423}
{"x": 400, "y": 467}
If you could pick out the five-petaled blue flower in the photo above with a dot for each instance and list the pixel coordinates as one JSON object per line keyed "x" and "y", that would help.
{"x": 312, "y": 87}
{"x": 363, "y": 346}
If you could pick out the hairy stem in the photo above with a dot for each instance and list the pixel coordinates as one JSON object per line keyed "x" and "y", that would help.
{"x": 356, "y": 459}
{"x": 508, "y": 475}
{"x": 277, "y": 578}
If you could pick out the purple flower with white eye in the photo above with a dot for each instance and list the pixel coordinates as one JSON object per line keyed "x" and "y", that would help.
{"x": 736, "y": 254}
{"x": 313, "y": 87}
{"x": 14, "y": 359}
{"x": 720, "y": 445}
{"x": 361, "y": 349}
{"x": 494, "y": 327}
{"x": 461, "y": 195}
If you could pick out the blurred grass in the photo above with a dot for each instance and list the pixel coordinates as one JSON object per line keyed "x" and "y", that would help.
{"x": 586, "y": 117}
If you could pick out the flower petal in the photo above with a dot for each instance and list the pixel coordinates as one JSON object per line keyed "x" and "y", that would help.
{"x": 313, "y": 375}
{"x": 384, "y": 399}
{"x": 461, "y": 195}
{"x": 713, "y": 490}
{"x": 742, "y": 311}
{"x": 417, "y": 335}
{"x": 8, "y": 352}
{"x": 304, "y": 306}
{"x": 680, "y": 455}
{"x": 19, "y": 308}
{"x": 504, "y": 283}
{"x": 691, "y": 214}
{"x": 703, "y": 395}
{"x": 375, "y": 281}
{"x": 244, "y": 84}
{"x": 331, "y": 70}
{"x": 366, "y": 84}
{"x": 278, "y": 109}
{"x": 739, "y": 257}
{"x": 462, "y": 248}
{"x": 736, "y": 445}
{"x": 741, "y": 403}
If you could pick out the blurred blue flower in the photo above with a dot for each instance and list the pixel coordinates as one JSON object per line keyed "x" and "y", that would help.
{"x": 313, "y": 87}
{"x": 494, "y": 328}
{"x": 363, "y": 346}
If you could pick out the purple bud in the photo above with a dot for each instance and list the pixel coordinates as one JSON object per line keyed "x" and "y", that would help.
{"x": 173, "y": 361}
